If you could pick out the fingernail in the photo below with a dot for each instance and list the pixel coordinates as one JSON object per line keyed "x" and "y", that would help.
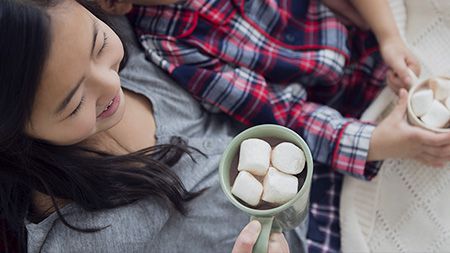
{"x": 254, "y": 227}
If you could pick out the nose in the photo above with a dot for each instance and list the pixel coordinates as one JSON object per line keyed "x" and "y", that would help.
{"x": 104, "y": 84}
{"x": 105, "y": 80}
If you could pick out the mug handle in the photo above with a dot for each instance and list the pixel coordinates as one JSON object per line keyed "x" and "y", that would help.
{"x": 262, "y": 243}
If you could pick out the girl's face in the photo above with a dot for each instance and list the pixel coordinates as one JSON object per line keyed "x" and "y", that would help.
{"x": 79, "y": 94}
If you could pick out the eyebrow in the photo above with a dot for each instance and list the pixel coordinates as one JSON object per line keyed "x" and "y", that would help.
{"x": 70, "y": 95}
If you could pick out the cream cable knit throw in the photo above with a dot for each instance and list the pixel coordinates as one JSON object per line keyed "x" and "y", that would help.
{"x": 406, "y": 208}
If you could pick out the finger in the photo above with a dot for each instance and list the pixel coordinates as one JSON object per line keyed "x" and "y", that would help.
{"x": 430, "y": 161}
{"x": 398, "y": 82}
{"x": 442, "y": 152}
{"x": 425, "y": 137}
{"x": 401, "y": 70}
{"x": 413, "y": 64}
{"x": 440, "y": 139}
{"x": 278, "y": 244}
{"x": 436, "y": 156}
{"x": 247, "y": 238}
{"x": 400, "y": 109}
{"x": 394, "y": 82}
{"x": 445, "y": 147}
{"x": 431, "y": 151}
{"x": 431, "y": 138}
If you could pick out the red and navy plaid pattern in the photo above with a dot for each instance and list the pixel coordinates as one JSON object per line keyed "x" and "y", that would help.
{"x": 273, "y": 61}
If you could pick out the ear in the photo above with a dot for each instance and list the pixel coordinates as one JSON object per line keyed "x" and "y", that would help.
{"x": 115, "y": 7}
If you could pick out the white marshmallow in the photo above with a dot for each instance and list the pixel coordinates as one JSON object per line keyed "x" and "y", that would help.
{"x": 288, "y": 158}
{"x": 421, "y": 102}
{"x": 247, "y": 188}
{"x": 279, "y": 187}
{"x": 254, "y": 156}
{"x": 447, "y": 103}
{"x": 441, "y": 88}
{"x": 437, "y": 116}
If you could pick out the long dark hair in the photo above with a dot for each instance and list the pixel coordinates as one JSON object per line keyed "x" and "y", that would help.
{"x": 93, "y": 179}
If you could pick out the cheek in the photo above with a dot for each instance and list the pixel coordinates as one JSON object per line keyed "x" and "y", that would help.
{"x": 82, "y": 129}
{"x": 78, "y": 128}
{"x": 72, "y": 132}
{"x": 64, "y": 133}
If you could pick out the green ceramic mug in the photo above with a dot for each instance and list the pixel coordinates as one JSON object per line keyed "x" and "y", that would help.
{"x": 283, "y": 217}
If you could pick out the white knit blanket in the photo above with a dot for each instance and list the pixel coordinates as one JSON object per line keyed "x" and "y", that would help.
{"x": 406, "y": 208}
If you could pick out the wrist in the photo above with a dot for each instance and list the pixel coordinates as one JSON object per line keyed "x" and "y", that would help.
{"x": 375, "y": 147}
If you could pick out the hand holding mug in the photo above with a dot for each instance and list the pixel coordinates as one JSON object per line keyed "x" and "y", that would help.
{"x": 395, "y": 137}
{"x": 248, "y": 236}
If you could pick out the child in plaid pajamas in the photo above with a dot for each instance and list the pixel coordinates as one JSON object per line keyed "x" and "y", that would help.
{"x": 293, "y": 63}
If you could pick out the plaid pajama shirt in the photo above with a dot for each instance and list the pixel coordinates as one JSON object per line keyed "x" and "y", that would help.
{"x": 277, "y": 61}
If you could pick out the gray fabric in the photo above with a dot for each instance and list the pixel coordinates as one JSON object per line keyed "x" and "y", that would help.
{"x": 147, "y": 226}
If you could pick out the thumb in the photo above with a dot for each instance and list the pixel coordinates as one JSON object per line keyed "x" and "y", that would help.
{"x": 413, "y": 64}
{"x": 400, "y": 108}
{"x": 247, "y": 238}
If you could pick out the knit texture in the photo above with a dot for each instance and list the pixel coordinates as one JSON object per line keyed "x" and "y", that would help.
{"x": 405, "y": 208}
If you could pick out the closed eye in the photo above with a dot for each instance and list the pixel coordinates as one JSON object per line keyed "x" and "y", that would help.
{"x": 105, "y": 43}
{"x": 80, "y": 105}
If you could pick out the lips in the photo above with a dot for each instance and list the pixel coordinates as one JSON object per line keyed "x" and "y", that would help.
{"x": 111, "y": 108}
{"x": 109, "y": 105}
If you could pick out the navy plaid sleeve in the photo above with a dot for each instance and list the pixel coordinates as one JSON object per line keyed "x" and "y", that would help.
{"x": 246, "y": 96}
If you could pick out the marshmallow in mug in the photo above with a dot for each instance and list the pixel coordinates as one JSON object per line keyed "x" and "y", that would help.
{"x": 288, "y": 158}
{"x": 279, "y": 187}
{"x": 437, "y": 116}
{"x": 254, "y": 156}
{"x": 247, "y": 188}
{"x": 441, "y": 88}
{"x": 421, "y": 102}
{"x": 447, "y": 103}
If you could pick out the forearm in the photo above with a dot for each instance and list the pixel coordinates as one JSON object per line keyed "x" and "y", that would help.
{"x": 378, "y": 15}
